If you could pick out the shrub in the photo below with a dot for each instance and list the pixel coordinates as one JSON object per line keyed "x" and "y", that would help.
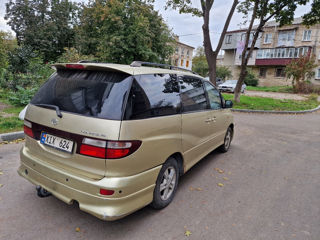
{"x": 251, "y": 79}
{"x": 22, "y": 96}
{"x": 223, "y": 72}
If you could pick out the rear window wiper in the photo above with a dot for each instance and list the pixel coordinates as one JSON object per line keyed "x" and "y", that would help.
{"x": 59, "y": 114}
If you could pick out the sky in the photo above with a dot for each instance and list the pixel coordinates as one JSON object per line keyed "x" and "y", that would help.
{"x": 187, "y": 27}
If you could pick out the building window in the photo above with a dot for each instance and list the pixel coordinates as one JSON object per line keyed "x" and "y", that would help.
{"x": 262, "y": 72}
{"x": 181, "y": 63}
{"x": 188, "y": 53}
{"x": 177, "y": 50}
{"x": 282, "y": 52}
{"x": 280, "y": 72}
{"x": 318, "y": 74}
{"x": 306, "y": 35}
{"x": 286, "y": 38}
{"x": 182, "y": 52}
{"x": 176, "y": 62}
{"x": 187, "y": 63}
{"x": 228, "y": 39}
{"x": 268, "y": 38}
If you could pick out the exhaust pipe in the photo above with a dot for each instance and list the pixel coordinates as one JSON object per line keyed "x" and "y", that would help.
{"x": 41, "y": 192}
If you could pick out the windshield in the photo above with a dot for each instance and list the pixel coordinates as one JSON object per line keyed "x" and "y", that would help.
{"x": 98, "y": 94}
{"x": 231, "y": 82}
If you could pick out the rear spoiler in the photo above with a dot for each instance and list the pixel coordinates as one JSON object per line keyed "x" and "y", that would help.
{"x": 95, "y": 66}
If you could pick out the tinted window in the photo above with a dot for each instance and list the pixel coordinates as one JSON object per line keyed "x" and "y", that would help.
{"x": 192, "y": 94}
{"x": 91, "y": 93}
{"x": 213, "y": 96}
{"x": 152, "y": 96}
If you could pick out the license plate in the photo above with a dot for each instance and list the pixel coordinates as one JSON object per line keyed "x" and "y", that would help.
{"x": 56, "y": 142}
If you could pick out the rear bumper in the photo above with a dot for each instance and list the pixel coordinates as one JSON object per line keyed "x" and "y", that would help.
{"x": 131, "y": 193}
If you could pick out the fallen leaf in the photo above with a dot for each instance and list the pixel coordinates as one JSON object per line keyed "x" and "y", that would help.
{"x": 219, "y": 170}
{"x": 225, "y": 178}
{"x": 1, "y": 185}
{"x": 199, "y": 189}
{"x": 187, "y": 233}
{"x": 77, "y": 229}
{"x": 191, "y": 188}
{"x": 220, "y": 184}
{"x": 229, "y": 173}
{"x": 1, "y": 173}
{"x": 207, "y": 227}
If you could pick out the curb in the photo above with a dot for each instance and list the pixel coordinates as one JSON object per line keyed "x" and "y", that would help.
{"x": 276, "y": 112}
{"x": 11, "y": 136}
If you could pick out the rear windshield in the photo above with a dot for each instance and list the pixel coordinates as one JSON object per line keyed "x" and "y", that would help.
{"x": 98, "y": 94}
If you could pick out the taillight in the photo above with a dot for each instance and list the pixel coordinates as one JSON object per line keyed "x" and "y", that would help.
{"x": 75, "y": 66}
{"x": 93, "y": 148}
{"x": 28, "y": 128}
{"x": 106, "y": 191}
{"x": 120, "y": 149}
{"x": 108, "y": 150}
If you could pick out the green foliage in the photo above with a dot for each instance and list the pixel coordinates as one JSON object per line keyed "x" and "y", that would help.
{"x": 73, "y": 55}
{"x": 313, "y": 17}
{"x": 283, "y": 89}
{"x": 261, "y": 103}
{"x": 120, "y": 31}
{"x": 199, "y": 62}
{"x": 45, "y": 26}
{"x": 7, "y": 43}
{"x": 223, "y": 72}
{"x": 22, "y": 96}
{"x": 251, "y": 79}
{"x": 301, "y": 71}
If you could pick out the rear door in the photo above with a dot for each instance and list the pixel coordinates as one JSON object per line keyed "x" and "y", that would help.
{"x": 92, "y": 105}
{"x": 218, "y": 124}
{"x": 196, "y": 120}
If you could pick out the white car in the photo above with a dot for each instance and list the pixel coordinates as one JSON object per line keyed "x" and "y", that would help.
{"x": 230, "y": 86}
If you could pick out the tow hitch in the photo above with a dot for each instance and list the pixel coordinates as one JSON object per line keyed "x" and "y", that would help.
{"x": 41, "y": 192}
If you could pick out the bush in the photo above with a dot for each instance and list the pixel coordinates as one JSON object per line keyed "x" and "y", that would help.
{"x": 251, "y": 79}
{"x": 22, "y": 96}
{"x": 223, "y": 72}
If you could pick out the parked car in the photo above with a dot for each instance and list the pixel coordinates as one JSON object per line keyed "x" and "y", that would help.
{"x": 115, "y": 138}
{"x": 230, "y": 86}
{"x": 218, "y": 80}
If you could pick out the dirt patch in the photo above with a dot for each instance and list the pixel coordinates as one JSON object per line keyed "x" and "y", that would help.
{"x": 3, "y": 106}
{"x": 276, "y": 95}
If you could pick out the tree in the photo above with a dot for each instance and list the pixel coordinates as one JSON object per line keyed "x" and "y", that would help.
{"x": 199, "y": 62}
{"x": 262, "y": 11}
{"x": 122, "y": 31}
{"x": 44, "y": 25}
{"x": 223, "y": 72}
{"x": 185, "y": 6}
{"x": 7, "y": 44}
{"x": 300, "y": 71}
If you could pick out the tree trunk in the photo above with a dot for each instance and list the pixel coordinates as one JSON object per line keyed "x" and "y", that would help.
{"x": 245, "y": 57}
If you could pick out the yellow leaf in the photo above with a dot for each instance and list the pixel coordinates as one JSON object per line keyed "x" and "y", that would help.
{"x": 220, "y": 184}
{"x": 187, "y": 233}
{"x": 77, "y": 229}
{"x": 219, "y": 170}
{"x": 225, "y": 178}
{"x": 199, "y": 189}
{"x": 1, "y": 185}
{"x": 191, "y": 188}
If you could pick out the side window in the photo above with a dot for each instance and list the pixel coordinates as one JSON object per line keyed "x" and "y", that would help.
{"x": 214, "y": 96}
{"x": 153, "y": 95}
{"x": 192, "y": 94}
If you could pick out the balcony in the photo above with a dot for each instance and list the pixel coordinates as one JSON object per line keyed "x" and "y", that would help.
{"x": 279, "y": 56}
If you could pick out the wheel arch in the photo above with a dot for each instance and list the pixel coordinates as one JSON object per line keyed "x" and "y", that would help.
{"x": 178, "y": 156}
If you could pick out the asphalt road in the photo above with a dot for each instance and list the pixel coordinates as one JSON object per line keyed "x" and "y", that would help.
{"x": 271, "y": 190}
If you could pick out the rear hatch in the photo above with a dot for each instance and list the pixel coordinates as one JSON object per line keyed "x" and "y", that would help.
{"x": 91, "y": 103}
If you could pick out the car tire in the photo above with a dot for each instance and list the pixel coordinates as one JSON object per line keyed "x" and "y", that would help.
{"x": 227, "y": 141}
{"x": 166, "y": 184}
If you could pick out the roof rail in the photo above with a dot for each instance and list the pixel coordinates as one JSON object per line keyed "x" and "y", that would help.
{"x": 140, "y": 64}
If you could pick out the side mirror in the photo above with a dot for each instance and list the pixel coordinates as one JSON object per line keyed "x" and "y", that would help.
{"x": 229, "y": 104}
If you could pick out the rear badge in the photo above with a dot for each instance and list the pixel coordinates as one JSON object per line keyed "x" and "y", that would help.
{"x": 54, "y": 121}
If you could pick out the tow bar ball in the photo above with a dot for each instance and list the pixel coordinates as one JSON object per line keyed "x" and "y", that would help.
{"x": 41, "y": 192}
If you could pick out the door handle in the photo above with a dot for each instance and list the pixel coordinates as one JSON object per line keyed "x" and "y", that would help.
{"x": 214, "y": 119}
{"x": 208, "y": 120}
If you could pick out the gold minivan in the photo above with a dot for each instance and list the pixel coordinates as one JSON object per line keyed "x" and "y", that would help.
{"x": 115, "y": 138}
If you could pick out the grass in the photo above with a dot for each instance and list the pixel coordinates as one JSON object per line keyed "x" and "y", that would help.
{"x": 282, "y": 89}
{"x": 9, "y": 121}
{"x": 260, "y": 103}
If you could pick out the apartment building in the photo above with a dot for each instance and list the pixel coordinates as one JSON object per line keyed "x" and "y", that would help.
{"x": 275, "y": 48}
{"x": 182, "y": 57}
